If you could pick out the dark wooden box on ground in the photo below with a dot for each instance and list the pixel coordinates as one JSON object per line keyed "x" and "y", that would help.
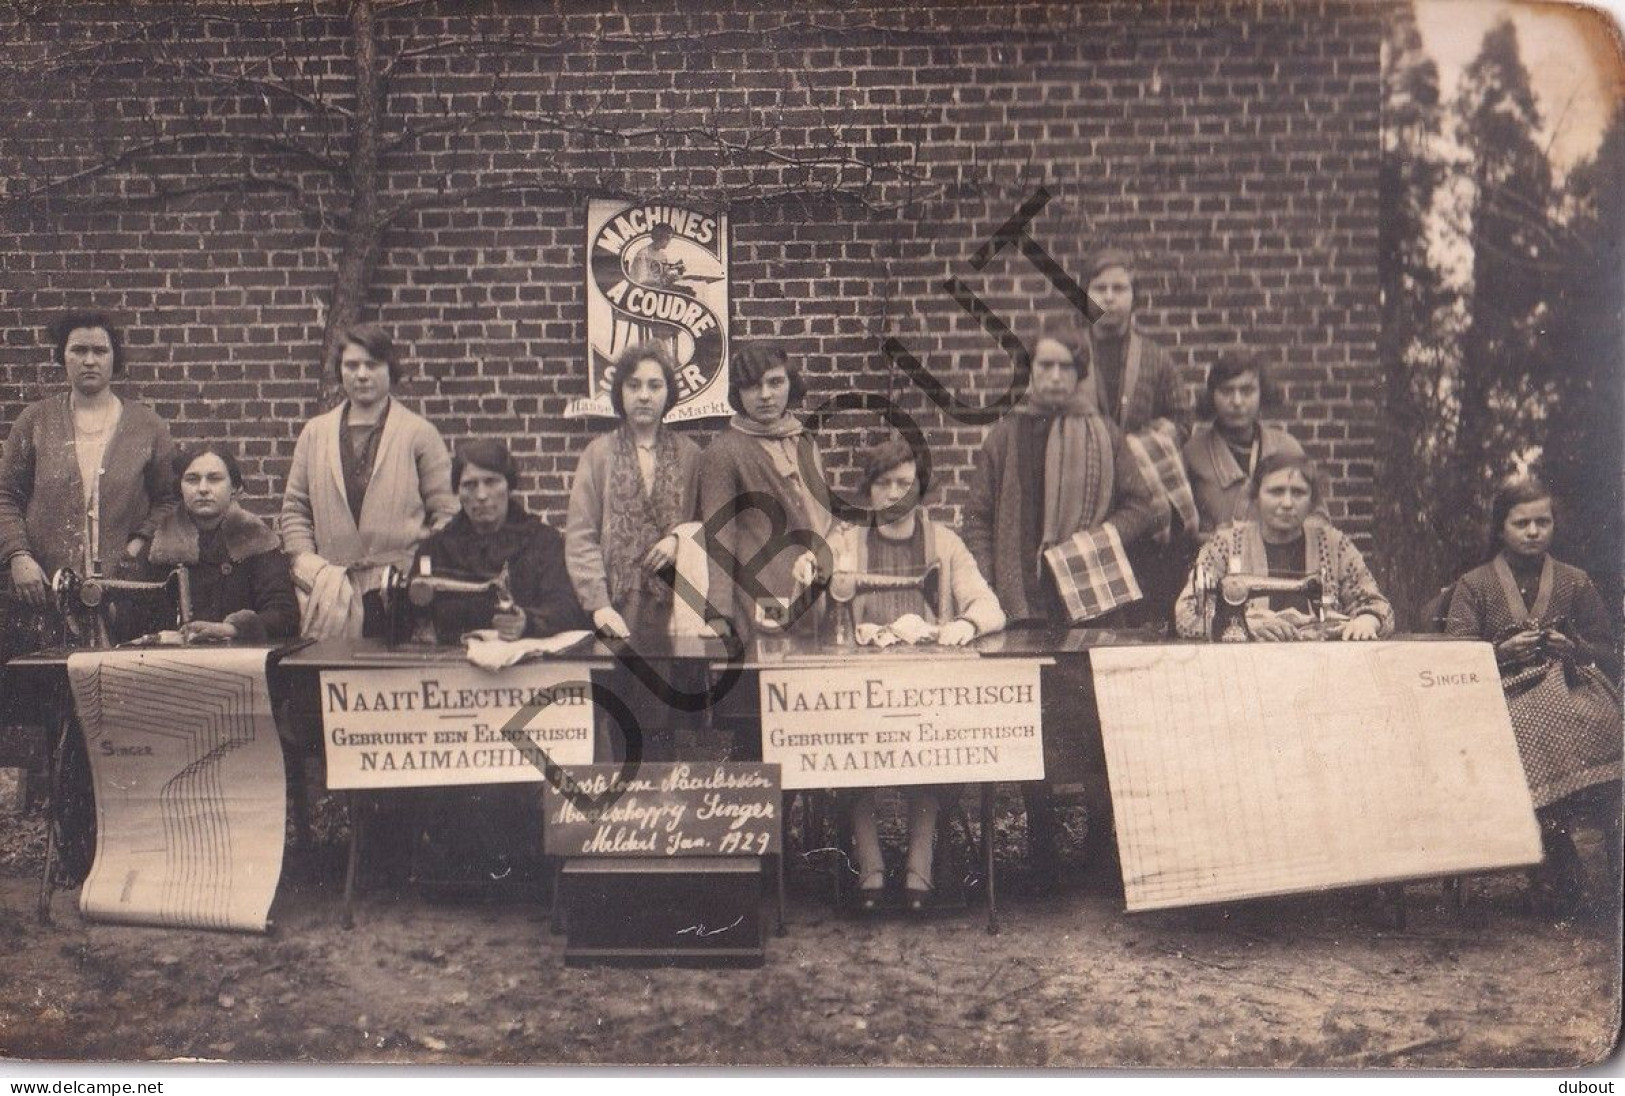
{"x": 697, "y": 911}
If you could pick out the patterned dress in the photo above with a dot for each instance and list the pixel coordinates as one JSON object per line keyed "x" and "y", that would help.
{"x": 1349, "y": 588}
{"x": 1565, "y": 712}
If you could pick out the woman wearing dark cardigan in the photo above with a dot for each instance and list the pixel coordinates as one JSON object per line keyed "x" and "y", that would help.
{"x": 83, "y": 470}
{"x": 240, "y": 586}
{"x": 764, "y": 452}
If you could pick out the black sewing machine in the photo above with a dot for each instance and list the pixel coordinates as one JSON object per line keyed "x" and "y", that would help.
{"x": 401, "y": 591}
{"x": 92, "y": 598}
{"x": 845, "y": 586}
{"x": 1231, "y": 593}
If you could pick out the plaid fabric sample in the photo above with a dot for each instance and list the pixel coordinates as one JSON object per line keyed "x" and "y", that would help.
{"x": 1156, "y": 452}
{"x": 1092, "y": 573}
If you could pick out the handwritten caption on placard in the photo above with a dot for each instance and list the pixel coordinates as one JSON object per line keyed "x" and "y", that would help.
{"x": 714, "y": 809}
{"x": 440, "y": 725}
{"x": 864, "y": 726}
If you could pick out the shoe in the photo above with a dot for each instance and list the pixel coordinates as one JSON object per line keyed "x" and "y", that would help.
{"x": 917, "y": 889}
{"x": 870, "y": 887}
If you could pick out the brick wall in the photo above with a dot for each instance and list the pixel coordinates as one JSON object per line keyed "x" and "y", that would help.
{"x": 865, "y": 150}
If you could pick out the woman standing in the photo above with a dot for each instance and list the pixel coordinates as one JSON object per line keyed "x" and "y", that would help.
{"x": 1223, "y": 452}
{"x": 1558, "y": 660}
{"x": 370, "y": 479}
{"x": 84, "y": 476}
{"x": 762, "y": 461}
{"x": 633, "y": 488}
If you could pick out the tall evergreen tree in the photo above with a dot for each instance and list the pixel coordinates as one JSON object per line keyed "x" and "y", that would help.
{"x": 1504, "y": 384}
{"x": 1584, "y": 443}
{"x": 1415, "y": 352}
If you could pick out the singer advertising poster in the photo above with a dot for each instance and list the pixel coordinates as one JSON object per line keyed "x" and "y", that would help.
{"x": 658, "y": 273}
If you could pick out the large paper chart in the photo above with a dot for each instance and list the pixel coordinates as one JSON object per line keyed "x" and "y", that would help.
{"x": 1245, "y": 770}
{"x": 190, "y": 794}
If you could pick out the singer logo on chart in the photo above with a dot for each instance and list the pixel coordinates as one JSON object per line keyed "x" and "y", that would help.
{"x": 658, "y": 273}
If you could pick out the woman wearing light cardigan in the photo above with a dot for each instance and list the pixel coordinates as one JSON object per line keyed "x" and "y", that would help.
{"x": 395, "y": 461}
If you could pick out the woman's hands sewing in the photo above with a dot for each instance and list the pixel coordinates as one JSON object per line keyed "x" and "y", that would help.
{"x": 1363, "y": 626}
{"x": 509, "y": 623}
{"x": 1271, "y": 627}
{"x": 207, "y": 631}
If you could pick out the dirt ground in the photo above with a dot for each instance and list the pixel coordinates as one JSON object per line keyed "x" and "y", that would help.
{"x": 1314, "y": 981}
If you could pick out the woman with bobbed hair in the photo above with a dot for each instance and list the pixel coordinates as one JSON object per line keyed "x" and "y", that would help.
{"x": 1222, "y": 452}
{"x": 900, "y": 539}
{"x": 634, "y": 487}
{"x": 763, "y": 452}
{"x": 370, "y": 480}
{"x": 1556, "y": 649}
{"x": 240, "y": 587}
{"x": 1283, "y": 543}
{"x": 85, "y": 477}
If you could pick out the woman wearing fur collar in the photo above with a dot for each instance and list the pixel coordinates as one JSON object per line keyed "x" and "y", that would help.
{"x": 240, "y": 587}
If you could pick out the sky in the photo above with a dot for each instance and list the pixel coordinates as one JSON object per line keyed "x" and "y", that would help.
{"x": 1572, "y": 55}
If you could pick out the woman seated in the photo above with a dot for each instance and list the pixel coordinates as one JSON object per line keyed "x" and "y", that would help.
{"x": 493, "y": 531}
{"x": 1222, "y": 453}
{"x": 904, "y": 541}
{"x": 476, "y": 835}
{"x": 1282, "y": 543}
{"x": 241, "y": 590}
{"x": 1555, "y": 646}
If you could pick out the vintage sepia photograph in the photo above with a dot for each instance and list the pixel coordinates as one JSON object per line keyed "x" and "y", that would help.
{"x": 965, "y": 534}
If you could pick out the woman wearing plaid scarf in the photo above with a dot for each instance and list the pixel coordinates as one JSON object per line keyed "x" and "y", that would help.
{"x": 1052, "y": 469}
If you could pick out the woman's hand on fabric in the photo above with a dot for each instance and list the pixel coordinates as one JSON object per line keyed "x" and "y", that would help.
{"x": 509, "y": 623}
{"x": 1271, "y": 628}
{"x": 1363, "y": 626}
{"x": 28, "y": 579}
{"x": 610, "y": 623}
{"x": 1516, "y": 648}
{"x": 132, "y": 549}
{"x": 207, "y": 631}
{"x": 956, "y": 633}
{"x": 662, "y": 554}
